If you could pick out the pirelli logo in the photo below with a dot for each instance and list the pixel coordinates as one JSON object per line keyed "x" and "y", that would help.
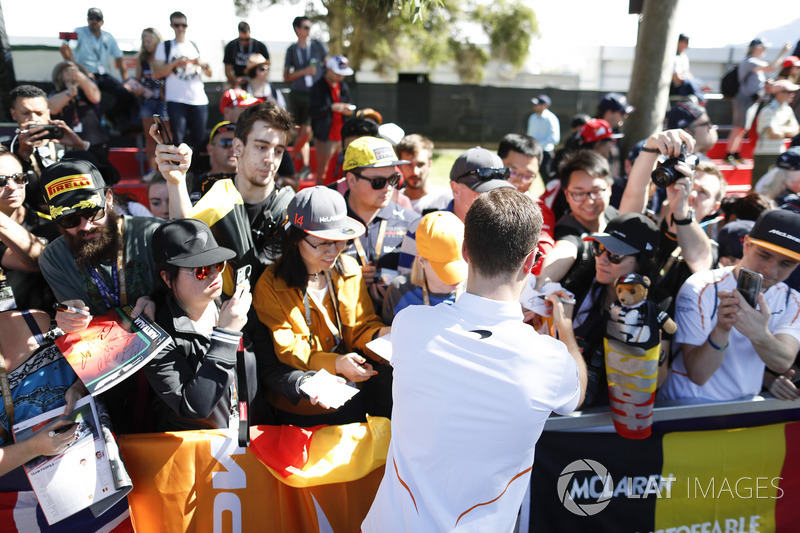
{"x": 69, "y": 183}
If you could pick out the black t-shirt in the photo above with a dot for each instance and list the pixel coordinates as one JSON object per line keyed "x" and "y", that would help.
{"x": 236, "y": 54}
{"x": 31, "y": 291}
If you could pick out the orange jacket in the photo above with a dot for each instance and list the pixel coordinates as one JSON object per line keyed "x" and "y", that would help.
{"x": 280, "y": 308}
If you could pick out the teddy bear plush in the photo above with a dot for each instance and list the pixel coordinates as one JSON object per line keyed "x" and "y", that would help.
{"x": 632, "y": 347}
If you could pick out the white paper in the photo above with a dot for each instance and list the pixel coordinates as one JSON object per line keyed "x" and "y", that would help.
{"x": 382, "y": 346}
{"x": 328, "y": 390}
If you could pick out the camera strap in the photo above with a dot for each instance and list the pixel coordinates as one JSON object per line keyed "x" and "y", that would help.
{"x": 242, "y": 396}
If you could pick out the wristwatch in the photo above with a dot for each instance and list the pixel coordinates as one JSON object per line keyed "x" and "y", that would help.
{"x": 684, "y": 221}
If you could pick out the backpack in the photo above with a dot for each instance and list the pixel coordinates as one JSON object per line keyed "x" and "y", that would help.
{"x": 729, "y": 86}
{"x": 168, "y": 48}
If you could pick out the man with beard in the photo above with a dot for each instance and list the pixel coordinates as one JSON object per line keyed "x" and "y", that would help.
{"x": 418, "y": 151}
{"x": 102, "y": 260}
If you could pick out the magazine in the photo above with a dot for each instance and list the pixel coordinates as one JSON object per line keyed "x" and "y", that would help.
{"x": 89, "y": 473}
{"x": 112, "y": 348}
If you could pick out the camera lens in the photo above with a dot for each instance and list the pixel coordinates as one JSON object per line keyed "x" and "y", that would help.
{"x": 662, "y": 177}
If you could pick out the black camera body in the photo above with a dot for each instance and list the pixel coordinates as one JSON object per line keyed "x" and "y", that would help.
{"x": 665, "y": 174}
{"x": 53, "y": 131}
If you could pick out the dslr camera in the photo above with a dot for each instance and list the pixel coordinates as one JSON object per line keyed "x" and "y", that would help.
{"x": 665, "y": 174}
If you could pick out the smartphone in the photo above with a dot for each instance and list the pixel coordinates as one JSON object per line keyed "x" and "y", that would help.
{"x": 749, "y": 285}
{"x": 242, "y": 275}
{"x": 166, "y": 138}
{"x": 68, "y": 36}
{"x": 54, "y": 132}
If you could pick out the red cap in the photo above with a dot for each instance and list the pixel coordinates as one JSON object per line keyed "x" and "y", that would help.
{"x": 791, "y": 61}
{"x": 236, "y": 97}
{"x": 597, "y": 129}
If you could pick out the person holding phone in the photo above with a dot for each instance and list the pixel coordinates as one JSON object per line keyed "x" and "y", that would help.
{"x": 315, "y": 302}
{"x": 725, "y": 343}
{"x": 194, "y": 376}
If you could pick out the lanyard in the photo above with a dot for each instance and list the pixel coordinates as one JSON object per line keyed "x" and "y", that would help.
{"x": 362, "y": 254}
{"x": 119, "y": 296}
{"x": 333, "y": 327}
{"x": 426, "y": 299}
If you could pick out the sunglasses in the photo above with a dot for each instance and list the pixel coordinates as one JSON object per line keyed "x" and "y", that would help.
{"x": 19, "y": 178}
{"x": 330, "y": 245}
{"x": 74, "y": 220}
{"x": 598, "y": 249}
{"x": 262, "y": 69}
{"x": 379, "y": 183}
{"x": 225, "y": 143}
{"x": 202, "y": 272}
{"x": 94, "y": 18}
{"x": 174, "y": 25}
{"x": 486, "y": 174}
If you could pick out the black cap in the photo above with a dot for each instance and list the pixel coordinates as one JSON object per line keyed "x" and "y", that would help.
{"x": 615, "y": 102}
{"x": 790, "y": 159}
{"x": 71, "y": 186}
{"x": 628, "y": 234}
{"x": 188, "y": 242}
{"x": 95, "y": 12}
{"x": 778, "y": 230}
{"x": 683, "y": 114}
{"x": 731, "y": 237}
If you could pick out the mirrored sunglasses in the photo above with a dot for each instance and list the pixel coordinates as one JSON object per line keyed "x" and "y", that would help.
{"x": 225, "y": 142}
{"x": 202, "y": 272}
{"x": 20, "y": 178}
{"x": 487, "y": 174}
{"x": 598, "y": 249}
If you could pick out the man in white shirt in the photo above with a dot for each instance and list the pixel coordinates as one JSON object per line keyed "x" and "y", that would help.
{"x": 725, "y": 343}
{"x": 465, "y": 422}
{"x": 775, "y": 123}
{"x": 424, "y": 197}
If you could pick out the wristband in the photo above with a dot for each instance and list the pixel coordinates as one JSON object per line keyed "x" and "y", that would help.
{"x": 651, "y": 150}
{"x": 718, "y": 348}
{"x": 684, "y": 221}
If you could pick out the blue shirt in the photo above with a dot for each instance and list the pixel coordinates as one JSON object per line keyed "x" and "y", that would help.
{"x": 545, "y": 129}
{"x": 93, "y": 52}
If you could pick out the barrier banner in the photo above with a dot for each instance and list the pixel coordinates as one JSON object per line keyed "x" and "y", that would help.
{"x": 311, "y": 479}
{"x": 683, "y": 482}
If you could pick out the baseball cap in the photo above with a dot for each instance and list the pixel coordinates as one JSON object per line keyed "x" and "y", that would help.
{"x": 784, "y": 85}
{"x": 597, "y": 129}
{"x": 628, "y": 234}
{"x": 731, "y": 237}
{"x": 542, "y": 99}
{"x": 439, "y": 238}
{"x": 71, "y": 186}
{"x": 778, "y": 230}
{"x": 615, "y": 102}
{"x": 221, "y": 126}
{"x": 188, "y": 242}
{"x": 791, "y": 61}
{"x": 757, "y": 42}
{"x": 253, "y": 61}
{"x": 339, "y": 65}
{"x": 236, "y": 97}
{"x": 466, "y": 166}
{"x": 322, "y": 212}
{"x": 95, "y": 12}
{"x": 790, "y": 159}
{"x": 370, "y": 152}
{"x": 683, "y": 114}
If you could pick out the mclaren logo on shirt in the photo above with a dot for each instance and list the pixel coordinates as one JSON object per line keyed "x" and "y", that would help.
{"x": 483, "y": 333}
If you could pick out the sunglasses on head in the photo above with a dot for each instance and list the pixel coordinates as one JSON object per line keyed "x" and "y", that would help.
{"x": 20, "y": 178}
{"x": 379, "y": 183}
{"x": 598, "y": 249}
{"x": 487, "y": 174}
{"x": 225, "y": 142}
{"x": 74, "y": 220}
{"x": 202, "y": 272}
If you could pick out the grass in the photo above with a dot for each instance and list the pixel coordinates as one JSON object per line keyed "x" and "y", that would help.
{"x": 442, "y": 162}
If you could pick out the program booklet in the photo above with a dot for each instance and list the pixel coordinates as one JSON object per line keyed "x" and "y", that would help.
{"x": 112, "y": 348}
{"x": 89, "y": 473}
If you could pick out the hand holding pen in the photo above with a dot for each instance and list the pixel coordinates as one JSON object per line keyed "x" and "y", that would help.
{"x": 72, "y": 315}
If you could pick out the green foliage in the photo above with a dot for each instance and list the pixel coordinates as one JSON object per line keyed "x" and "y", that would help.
{"x": 398, "y": 34}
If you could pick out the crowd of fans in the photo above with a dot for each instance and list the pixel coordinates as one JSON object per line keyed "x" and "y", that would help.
{"x": 332, "y": 266}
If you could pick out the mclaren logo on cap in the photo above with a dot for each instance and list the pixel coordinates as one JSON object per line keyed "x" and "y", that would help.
{"x": 69, "y": 183}
{"x": 200, "y": 235}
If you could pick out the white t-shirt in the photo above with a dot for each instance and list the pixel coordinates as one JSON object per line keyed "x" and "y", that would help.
{"x": 777, "y": 116}
{"x": 473, "y": 387}
{"x": 184, "y": 84}
{"x": 742, "y": 370}
{"x": 437, "y": 199}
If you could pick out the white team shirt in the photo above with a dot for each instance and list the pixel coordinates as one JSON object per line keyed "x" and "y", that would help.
{"x": 473, "y": 387}
{"x": 186, "y": 85}
{"x": 742, "y": 370}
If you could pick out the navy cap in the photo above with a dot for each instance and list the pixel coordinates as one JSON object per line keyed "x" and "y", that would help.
{"x": 790, "y": 159}
{"x": 683, "y": 114}
{"x": 615, "y": 102}
{"x": 731, "y": 237}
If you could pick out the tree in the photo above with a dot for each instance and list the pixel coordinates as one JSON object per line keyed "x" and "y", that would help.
{"x": 398, "y": 34}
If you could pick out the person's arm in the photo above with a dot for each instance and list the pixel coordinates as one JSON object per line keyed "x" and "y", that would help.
{"x": 123, "y": 72}
{"x": 173, "y": 163}
{"x": 231, "y": 75}
{"x": 776, "y": 63}
{"x": 555, "y": 130}
{"x": 668, "y": 143}
{"x": 205, "y": 67}
{"x": 702, "y": 361}
{"x": 24, "y": 248}
{"x": 562, "y": 320}
{"x": 558, "y": 261}
{"x": 695, "y": 244}
{"x": 41, "y": 443}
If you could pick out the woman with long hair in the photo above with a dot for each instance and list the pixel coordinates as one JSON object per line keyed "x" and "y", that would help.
{"x": 150, "y": 90}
